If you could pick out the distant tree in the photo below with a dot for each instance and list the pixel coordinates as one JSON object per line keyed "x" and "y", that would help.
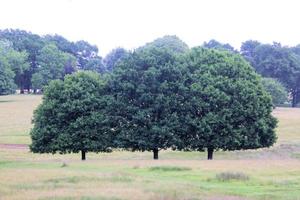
{"x": 277, "y": 91}
{"x": 37, "y": 81}
{"x": 7, "y": 85}
{"x": 144, "y": 86}
{"x": 52, "y": 64}
{"x": 278, "y": 62}
{"x": 62, "y": 43}
{"x": 17, "y": 61}
{"x": 170, "y": 42}
{"x": 248, "y": 50}
{"x": 25, "y": 41}
{"x": 114, "y": 57}
{"x": 225, "y": 105}
{"x": 95, "y": 64}
{"x": 12, "y": 61}
{"x": 71, "y": 117}
{"x": 84, "y": 52}
{"x": 214, "y": 44}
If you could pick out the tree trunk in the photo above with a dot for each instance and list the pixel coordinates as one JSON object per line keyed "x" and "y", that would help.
{"x": 82, "y": 155}
{"x": 294, "y": 99}
{"x": 22, "y": 91}
{"x": 155, "y": 154}
{"x": 210, "y": 152}
{"x": 28, "y": 89}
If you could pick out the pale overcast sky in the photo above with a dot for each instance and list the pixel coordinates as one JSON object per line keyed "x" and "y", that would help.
{"x": 131, "y": 23}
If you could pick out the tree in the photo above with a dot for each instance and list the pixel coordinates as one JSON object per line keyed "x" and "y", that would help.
{"x": 72, "y": 117}
{"x": 214, "y": 44}
{"x": 95, "y": 64}
{"x": 144, "y": 86}
{"x": 248, "y": 50}
{"x": 115, "y": 56}
{"x": 52, "y": 64}
{"x": 170, "y": 42}
{"x": 84, "y": 52}
{"x": 62, "y": 43}
{"x": 25, "y": 41}
{"x": 278, "y": 62}
{"x": 16, "y": 61}
{"x": 225, "y": 106}
{"x": 12, "y": 65}
{"x": 7, "y": 85}
{"x": 276, "y": 90}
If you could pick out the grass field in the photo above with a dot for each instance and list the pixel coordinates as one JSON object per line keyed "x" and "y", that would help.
{"x": 272, "y": 173}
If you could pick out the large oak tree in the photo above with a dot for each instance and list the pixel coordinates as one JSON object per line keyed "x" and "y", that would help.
{"x": 71, "y": 117}
{"x": 225, "y": 106}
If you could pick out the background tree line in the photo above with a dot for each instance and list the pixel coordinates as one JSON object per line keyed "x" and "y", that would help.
{"x": 29, "y": 61}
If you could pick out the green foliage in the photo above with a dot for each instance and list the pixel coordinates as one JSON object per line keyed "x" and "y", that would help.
{"x": 276, "y": 90}
{"x": 276, "y": 61}
{"x": 71, "y": 117}
{"x": 25, "y": 41}
{"x": 144, "y": 86}
{"x": 214, "y": 44}
{"x": 10, "y": 61}
{"x": 37, "y": 81}
{"x": 52, "y": 65}
{"x": 95, "y": 64}
{"x": 84, "y": 52}
{"x": 170, "y": 42}
{"x": 7, "y": 85}
{"x": 248, "y": 50}
{"x": 81, "y": 53}
{"x": 225, "y": 104}
{"x": 115, "y": 56}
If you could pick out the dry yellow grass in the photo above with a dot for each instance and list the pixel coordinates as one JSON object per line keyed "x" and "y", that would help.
{"x": 288, "y": 130}
{"x": 15, "y": 117}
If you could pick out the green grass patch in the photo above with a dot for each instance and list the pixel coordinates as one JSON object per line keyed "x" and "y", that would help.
{"x": 80, "y": 198}
{"x": 169, "y": 168}
{"x": 228, "y": 176}
{"x": 6, "y": 101}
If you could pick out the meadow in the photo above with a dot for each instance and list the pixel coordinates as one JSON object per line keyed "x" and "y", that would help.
{"x": 271, "y": 173}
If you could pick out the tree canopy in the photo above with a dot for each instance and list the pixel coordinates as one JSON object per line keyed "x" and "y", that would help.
{"x": 276, "y": 61}
{"x": 171, "y": 42}
{"x": 226, "y": 106}
{"x": 144, "y": 87}
{"x": 214, "y": 44}
{"x": 12, "y": 65}
{"x": 52, "y": 64}
{"x": 203, "y": 99}
{"x": 71, "y": 117}
{"x": 29, "y": 46}
{"x": 276, "y": 90}
{"x": 112, "y": 58}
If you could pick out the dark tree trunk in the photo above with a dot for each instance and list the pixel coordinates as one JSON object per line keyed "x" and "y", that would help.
{"x": 34, "y": 91}
{"x": 210, "y": 152}
{"x": 83, "y": 155}
{"x": 294, "y": 99}
{"x": 22, "y": 91}
{"x": 28, "y": 89}
{"x": 155, "y": 154}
